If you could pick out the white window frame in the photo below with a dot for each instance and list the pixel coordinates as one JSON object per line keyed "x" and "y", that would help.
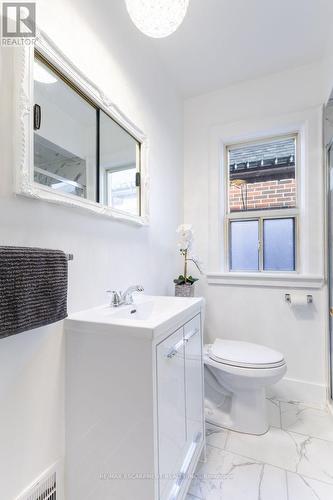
{"x": 307, "y": 123}
{"x": 260, "y": 215}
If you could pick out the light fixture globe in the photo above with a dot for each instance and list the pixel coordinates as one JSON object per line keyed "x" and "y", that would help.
{"x": 157, "y": 18}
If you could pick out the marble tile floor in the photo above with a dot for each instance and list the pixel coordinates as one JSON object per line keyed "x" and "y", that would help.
{"x": 292, "y": 461}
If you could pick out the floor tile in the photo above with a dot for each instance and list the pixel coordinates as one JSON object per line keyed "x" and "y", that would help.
{"x": 310, "y": 421}
{"x": 209, "y": 475}
{"x": 273, "y": 412}
{"x": 301, "y": 488}
{"x": 294, "y": 462}
{"x": 276, "y": 447}
{"x": 315, "y": 458}
{"x": 226, "y": 476}
{"x": 273, "y": 485}
{"x": 305, "y": 455}
{"x": 216, "y": 436}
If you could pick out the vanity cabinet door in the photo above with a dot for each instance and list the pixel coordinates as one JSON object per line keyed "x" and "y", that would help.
{"x": 171, "y": 410}
{"x": 194, "y": 382}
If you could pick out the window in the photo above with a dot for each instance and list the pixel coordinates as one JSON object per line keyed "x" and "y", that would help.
{"x": 262, "y": 244}
{"x": 121, "y": 189}
{"x": 80, "y": 150}
{"x": 262, "y": 205}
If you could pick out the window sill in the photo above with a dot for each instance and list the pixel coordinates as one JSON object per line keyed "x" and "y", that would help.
{"x": 277, "y": 280}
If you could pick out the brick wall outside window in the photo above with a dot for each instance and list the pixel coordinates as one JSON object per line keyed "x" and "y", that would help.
{"x": 264, "y": 195}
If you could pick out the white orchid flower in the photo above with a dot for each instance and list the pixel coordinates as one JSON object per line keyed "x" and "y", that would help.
{"x": 185, "y": 242}
{"x": 185, "y": 232}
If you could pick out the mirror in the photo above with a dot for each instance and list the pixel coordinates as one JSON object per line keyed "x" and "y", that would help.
{"x": 119, "y": 165}
{"x": 79, "y": 149}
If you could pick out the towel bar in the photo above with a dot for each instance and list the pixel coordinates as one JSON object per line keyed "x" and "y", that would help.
{"x": 69, "y": 256}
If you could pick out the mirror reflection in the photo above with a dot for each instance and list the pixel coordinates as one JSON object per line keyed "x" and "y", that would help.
{"x": 79, "y": 150}
{"x": 119, "y": 162}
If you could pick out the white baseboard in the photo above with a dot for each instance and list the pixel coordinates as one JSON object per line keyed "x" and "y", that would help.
{"x": 297, "y": 390}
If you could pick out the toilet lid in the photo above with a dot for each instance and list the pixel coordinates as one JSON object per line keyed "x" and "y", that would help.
{"x": 245, "y": 354}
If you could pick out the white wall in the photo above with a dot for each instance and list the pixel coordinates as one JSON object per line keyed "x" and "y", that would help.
{"x": 328, "y": 65}
{"x": 258, "y": 313}
{"x": 106, "y": 253}
{"x": 328, "y": 68}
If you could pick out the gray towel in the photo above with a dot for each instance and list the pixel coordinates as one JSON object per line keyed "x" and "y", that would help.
{"x": 33, "y": 288}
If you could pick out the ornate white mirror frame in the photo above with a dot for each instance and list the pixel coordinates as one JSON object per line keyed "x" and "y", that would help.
{"x": 24, "y": 140}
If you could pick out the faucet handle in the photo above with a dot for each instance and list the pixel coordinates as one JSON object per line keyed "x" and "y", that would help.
{"x": 115, "y": 298}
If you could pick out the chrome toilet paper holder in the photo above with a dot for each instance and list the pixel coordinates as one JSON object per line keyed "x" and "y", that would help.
{"x": 309, "y": 298}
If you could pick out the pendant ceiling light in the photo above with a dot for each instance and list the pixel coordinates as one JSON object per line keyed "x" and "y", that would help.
{"x": 157, "y": 18}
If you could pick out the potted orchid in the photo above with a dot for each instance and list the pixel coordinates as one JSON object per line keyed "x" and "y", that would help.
{"x": 184, "y": 284}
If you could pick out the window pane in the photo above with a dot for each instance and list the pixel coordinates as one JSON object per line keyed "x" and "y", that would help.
{"x": 121, "y": 190}
{"x": 119, "y": 163}
{"x": 244, "y": 254}
{"x": 65, "y": 142}
{"x": 262, "y": 175}
{"x": 279, "y": 244}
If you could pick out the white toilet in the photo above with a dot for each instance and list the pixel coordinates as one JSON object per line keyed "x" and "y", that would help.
{"x": 236, "y": 376}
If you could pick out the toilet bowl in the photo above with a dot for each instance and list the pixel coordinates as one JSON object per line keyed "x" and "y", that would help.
{"x": 236, "y": 376}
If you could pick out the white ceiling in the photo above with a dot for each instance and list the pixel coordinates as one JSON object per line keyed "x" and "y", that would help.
{"x": 226, "y": 41}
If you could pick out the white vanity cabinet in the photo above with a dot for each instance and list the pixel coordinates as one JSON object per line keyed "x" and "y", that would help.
{"x": 179, "y": 405}
{"x": 134, "y": 400}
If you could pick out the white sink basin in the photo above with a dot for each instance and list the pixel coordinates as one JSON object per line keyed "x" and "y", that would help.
{"x": 141, "y": 311}
{"x": 147, "y": 312}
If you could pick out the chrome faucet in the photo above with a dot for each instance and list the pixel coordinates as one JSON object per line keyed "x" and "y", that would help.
{"x": 126, "y": 298}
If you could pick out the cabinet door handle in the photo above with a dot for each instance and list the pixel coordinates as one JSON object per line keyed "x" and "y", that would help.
{"x": 191, "y": 334}
{"x": 174, "y": 349}
{"x": 174, "y": 495}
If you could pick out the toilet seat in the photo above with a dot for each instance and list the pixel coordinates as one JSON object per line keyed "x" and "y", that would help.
{"x": 244, "y": 355}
